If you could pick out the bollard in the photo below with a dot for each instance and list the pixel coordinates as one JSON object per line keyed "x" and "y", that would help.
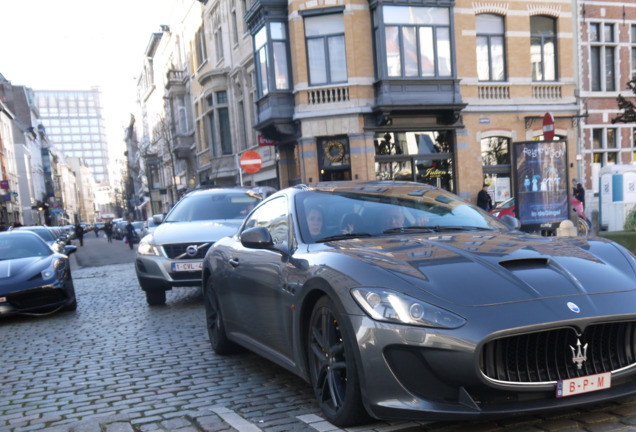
{"x": 595, "y": 223}
{"x": 566, "y": 229}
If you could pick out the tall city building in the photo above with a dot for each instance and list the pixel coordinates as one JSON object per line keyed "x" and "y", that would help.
{"x": 75, "y": 126}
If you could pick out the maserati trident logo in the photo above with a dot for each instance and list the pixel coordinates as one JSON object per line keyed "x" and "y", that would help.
{"x": 192, "y": 250}
{"x": 573, "y": 307}
{"x": 578, "y": 356}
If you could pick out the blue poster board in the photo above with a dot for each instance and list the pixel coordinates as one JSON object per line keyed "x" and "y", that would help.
{"x": 541, "y": 183}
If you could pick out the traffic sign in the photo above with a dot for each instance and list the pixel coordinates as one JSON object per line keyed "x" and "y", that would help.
{"x": 548, "y": 126}
{"x": 251, "y": 162}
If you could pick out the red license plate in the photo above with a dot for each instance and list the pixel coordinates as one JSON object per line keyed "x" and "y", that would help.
{"x": 585, "y": 384}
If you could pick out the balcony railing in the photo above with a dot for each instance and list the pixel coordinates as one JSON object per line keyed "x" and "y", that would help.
{"x": 546, "y": 92}
{"x": 323, "y": 96}
{"x": 494, "y": 92}
{"x": 176, "y": 77}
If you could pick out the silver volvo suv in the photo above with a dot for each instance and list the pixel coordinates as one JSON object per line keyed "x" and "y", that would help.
{"x": 172, "y": 255}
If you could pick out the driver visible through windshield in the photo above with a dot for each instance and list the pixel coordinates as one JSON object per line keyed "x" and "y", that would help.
{"x": 365, "y": 213}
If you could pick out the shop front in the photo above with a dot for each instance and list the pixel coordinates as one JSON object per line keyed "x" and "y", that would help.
{"x": 424, "y": 156}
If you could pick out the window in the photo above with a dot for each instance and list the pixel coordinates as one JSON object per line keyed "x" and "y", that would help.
{"x": 270, "y": 48}
{"x": 260, "y": 47}
{"x": 273, "y": 216}
{"x": 326, "y": 56}
{"x": 279, "y": 43}
{"x": 202, "y": 55}
{"x": 417, "y": 41}
{"x": 495, "y": 156}
{"x": 602, "y": 49}
{"x": 543, "y": 55}
{"x": 224, "y": 123}
{"x": 604, "y": 146}
{"x": 211, "y": 133}
{"x": 243, "y": 138}
{"x": 218, "y": 42}
{"x": 491, "y": 60}
{"x": 182, "y": 115}
{"x": 234, "y": 28}
{"x": 633, "y": 51}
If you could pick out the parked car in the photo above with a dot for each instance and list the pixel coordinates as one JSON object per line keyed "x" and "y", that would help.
{"x": 507, "y": 207}
{"x": 119, "y": 229}
{"x": 34, "y": 278}
{"x": 398, "y": 300}
{"x": 51, "y": 236}
{"x": 172, "y": 255}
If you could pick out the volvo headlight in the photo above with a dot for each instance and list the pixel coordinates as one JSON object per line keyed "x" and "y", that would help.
{"x": 146, "y": 248}
{"x": 391, "y": 306}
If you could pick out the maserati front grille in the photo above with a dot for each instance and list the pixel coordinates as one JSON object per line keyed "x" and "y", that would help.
{"x": 560, "y": 354}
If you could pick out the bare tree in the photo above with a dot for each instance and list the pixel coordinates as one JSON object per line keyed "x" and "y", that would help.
{"x": 163, "y": 134}
{"x": 628, "y": 107}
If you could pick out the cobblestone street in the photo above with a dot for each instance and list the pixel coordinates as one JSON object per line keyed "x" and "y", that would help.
{"x": 118, "y": 365}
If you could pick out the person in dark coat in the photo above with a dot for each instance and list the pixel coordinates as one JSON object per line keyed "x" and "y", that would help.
{"x": 483, "y": 198}
{"x": 79, "y": 233}
{"x": 108, "y": 229}
{"x": 130, "y": 234}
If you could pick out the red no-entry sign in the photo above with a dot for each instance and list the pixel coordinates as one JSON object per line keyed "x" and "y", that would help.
{"x": 548, "y": 127}
{"x": 251, "y": 162}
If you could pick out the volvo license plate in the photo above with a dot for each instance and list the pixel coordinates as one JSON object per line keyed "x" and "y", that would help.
{"x": 187, "y": 266}
{"x": 585, "y": 384}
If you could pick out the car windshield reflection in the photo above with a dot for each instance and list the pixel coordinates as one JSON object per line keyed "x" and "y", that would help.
{"x": 329, "y": 216}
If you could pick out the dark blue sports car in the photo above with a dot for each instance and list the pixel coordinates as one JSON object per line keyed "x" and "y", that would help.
{"x": 398, "y": 300}
{"x": 34, "y": 278}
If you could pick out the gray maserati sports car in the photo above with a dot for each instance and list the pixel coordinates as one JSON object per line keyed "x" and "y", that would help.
{"x": 402, "y": 301}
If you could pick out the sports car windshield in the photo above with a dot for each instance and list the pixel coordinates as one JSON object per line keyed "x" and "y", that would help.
{"x": 211, "y": 206}
{"x": 15, "y": 246}
{"x": 325, "y": 215}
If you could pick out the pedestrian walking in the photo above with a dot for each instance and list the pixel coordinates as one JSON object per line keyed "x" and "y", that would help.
{"x": 130, "y": 234}
{"x": 79, "y": 233}
{"x": 96, "y": 231}
{"x": 108, "y": 229}
{"x": 483, "y": 198}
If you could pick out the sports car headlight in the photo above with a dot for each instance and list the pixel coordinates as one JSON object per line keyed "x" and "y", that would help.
{"x": 145, "y": 248}
{"x": 390, "y": 306}
{"x": 56, "y": 267}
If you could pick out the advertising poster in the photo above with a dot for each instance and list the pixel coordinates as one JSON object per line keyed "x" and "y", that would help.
{"x": 540, "y": 170}
{"x": 502, "y": 189}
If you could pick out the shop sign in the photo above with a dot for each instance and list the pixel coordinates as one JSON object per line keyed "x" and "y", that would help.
{"x": 4, "y": 184}
{"x": 262, "y": 141}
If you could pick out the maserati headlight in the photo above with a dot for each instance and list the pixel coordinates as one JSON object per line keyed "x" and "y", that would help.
{"x": 391, "y": 306}
{"x": 146, "y": 248}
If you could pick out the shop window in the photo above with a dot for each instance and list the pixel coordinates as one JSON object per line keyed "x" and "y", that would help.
{"x": 424, "y": 157}
{"x": 495, "y": 156}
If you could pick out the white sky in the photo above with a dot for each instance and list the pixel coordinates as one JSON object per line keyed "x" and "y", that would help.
{"x": 78, "y": 44}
